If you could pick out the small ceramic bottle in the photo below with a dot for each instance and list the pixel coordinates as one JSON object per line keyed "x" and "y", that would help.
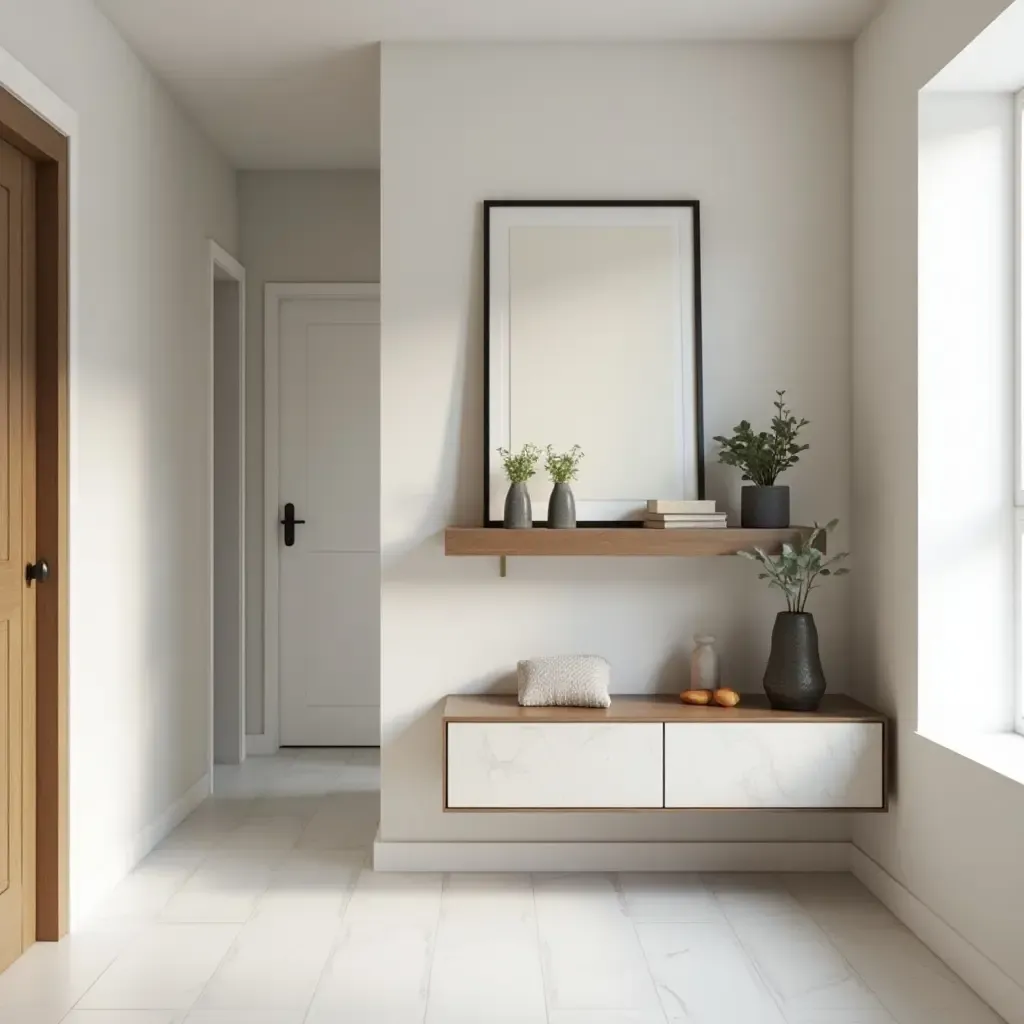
{"x": 705, "y": 673}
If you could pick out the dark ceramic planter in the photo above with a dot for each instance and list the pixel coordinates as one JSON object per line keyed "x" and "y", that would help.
{"x": 764, "y": 508}
{"x": 518, "y": 508}
{"x": 562, "y": 508}
{"x": 794, "y": 679}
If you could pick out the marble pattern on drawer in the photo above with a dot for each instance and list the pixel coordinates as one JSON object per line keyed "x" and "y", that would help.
{"x": 779, "y": 764}
{"x": 508, "y": 764}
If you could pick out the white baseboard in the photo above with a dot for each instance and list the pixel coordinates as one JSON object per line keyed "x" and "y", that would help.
{"x": 486, "y": 857}
{"x": 996, "y": 987}
{"x": 259, "y": 745}
{"x": 122, "y": 859}
{"x": 171, "y": 818}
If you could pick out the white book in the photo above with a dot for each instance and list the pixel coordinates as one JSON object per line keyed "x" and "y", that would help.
{"x": 672, "y": 507}
{"x": 660, "y": 524}
{"x": 671, "y": 517}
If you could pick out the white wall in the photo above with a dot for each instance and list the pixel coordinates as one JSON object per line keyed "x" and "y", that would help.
{"x": 151, "y": 191}
{"x": 296, "y": 226}
{"x": 761, "y": 135}
{"x": 228, "y": 556}
{"x": 955, "y": 832}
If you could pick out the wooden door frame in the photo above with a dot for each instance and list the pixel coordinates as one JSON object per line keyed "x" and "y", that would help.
{"x": 220, "y": 259}
{"x": 35, "y": 121}
{"x": 273, "y": 296}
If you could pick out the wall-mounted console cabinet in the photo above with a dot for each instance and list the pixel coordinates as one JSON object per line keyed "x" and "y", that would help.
{"x": 654, "y": 753}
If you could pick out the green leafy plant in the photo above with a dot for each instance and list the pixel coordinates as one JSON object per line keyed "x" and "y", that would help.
{"x": 796, "y": 571}
{"x": 563, "y": 466}
{"x": 522, "y": 465}
{"x": 764, "y": 457}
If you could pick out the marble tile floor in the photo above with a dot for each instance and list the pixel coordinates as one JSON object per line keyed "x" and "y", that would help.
{"x": 262, "y": 908}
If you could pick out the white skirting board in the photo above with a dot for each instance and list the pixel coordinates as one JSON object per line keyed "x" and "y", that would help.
{"x": 506, "y": 857}
{"x": 119, "y": 862}
{"x": 996, "y": 987}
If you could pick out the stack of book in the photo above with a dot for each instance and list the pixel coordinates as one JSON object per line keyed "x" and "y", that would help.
{"x": 683, "y": 515}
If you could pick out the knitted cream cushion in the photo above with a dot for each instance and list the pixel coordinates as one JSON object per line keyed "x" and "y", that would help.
{"x": 573, "y": 680}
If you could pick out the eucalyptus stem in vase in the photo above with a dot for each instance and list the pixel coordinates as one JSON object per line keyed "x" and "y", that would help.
{"x": 794, "y": 679}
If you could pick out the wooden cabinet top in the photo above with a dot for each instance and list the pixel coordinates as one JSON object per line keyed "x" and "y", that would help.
{"x": 652, "y": 708}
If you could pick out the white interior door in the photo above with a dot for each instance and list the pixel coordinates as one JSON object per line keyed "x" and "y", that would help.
{"x": 330, "y": 471}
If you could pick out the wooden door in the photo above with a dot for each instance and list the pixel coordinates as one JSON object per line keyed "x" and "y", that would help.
{"x": 330, "y": 472}
{"x": 17, "y": 549}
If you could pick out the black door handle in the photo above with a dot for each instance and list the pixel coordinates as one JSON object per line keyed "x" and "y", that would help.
{"x": 38, "y": 572}
{"x": 289, "y": 523}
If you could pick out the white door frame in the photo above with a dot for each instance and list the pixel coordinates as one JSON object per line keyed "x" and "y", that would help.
{"x": 220, "y": 259}
{"x": 274, "y": 295}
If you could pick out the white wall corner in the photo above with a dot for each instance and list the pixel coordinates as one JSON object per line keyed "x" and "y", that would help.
{"x": 990, "y": 982}
{"x": 597, "y": 856}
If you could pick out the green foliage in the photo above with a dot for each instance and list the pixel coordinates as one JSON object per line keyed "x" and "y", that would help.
{"x": 764, "y": 457}
{"x": 797, "y": 569}
{"x": 521, "y": 466}
{"x": 565, "y": 466}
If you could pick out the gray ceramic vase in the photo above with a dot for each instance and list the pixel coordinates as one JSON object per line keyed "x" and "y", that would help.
{"x": 518, "y": 508}
{"x": 794, "y": 679}
{"x": 561, "y": 508}
{"x": 764, "y": 508}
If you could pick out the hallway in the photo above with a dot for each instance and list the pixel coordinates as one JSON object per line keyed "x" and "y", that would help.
{"x": 261, "y": 908}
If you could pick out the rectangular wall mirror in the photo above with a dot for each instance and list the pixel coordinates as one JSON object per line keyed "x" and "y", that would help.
{"x": 592, "y": 320}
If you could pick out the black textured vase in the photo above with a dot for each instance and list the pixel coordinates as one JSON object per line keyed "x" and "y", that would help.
{"x": 764, "y": 508}
{"x": 794, "y": 679}
{"x": 561, "y": 508}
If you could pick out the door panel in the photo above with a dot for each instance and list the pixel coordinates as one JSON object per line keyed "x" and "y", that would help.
{"x": 330, "y": 471}
{"x": 17, "y": 547}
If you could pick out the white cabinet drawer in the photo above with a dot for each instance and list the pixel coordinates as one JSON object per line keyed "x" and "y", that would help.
{"x": 493, "y": 765}
{"x": 775, "y": 765}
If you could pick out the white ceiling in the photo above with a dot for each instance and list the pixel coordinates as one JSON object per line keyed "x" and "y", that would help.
{"x": 294, "y": 83}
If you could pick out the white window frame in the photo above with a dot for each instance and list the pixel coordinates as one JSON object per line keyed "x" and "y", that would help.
{"x": 1019, "y": 409}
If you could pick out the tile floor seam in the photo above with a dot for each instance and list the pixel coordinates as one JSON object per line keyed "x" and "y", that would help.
{"x": 431, "y": 956}
{"x": 853, "y": 970}
{"x": 743, "y": 949}
{"x": 643, "y": 951}
{"x": 330, "y": 959}
{"x": 540, "y": 947}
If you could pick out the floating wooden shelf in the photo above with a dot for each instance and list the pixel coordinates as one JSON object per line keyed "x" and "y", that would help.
{"x": 543, "y": 543}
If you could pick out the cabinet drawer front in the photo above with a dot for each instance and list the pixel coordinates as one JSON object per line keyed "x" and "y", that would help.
{"x": 548, "y": 765}
{"x": 775, "y": 765}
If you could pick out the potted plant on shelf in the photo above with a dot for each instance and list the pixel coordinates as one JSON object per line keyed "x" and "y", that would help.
{"x": 519, "y": 468}
{"x": 562, "y": 468}
{"x": 794, "y": 679}
{"x": 764, "y": 457}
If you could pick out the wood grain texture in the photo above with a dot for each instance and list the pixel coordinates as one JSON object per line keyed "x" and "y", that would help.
{"x": 610, "y": 543}
{"x": 52, "y": 543}
{"x": 653, "y": 708}
{"x": 17, "y": 546}
{"x": 46, "y": 781}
